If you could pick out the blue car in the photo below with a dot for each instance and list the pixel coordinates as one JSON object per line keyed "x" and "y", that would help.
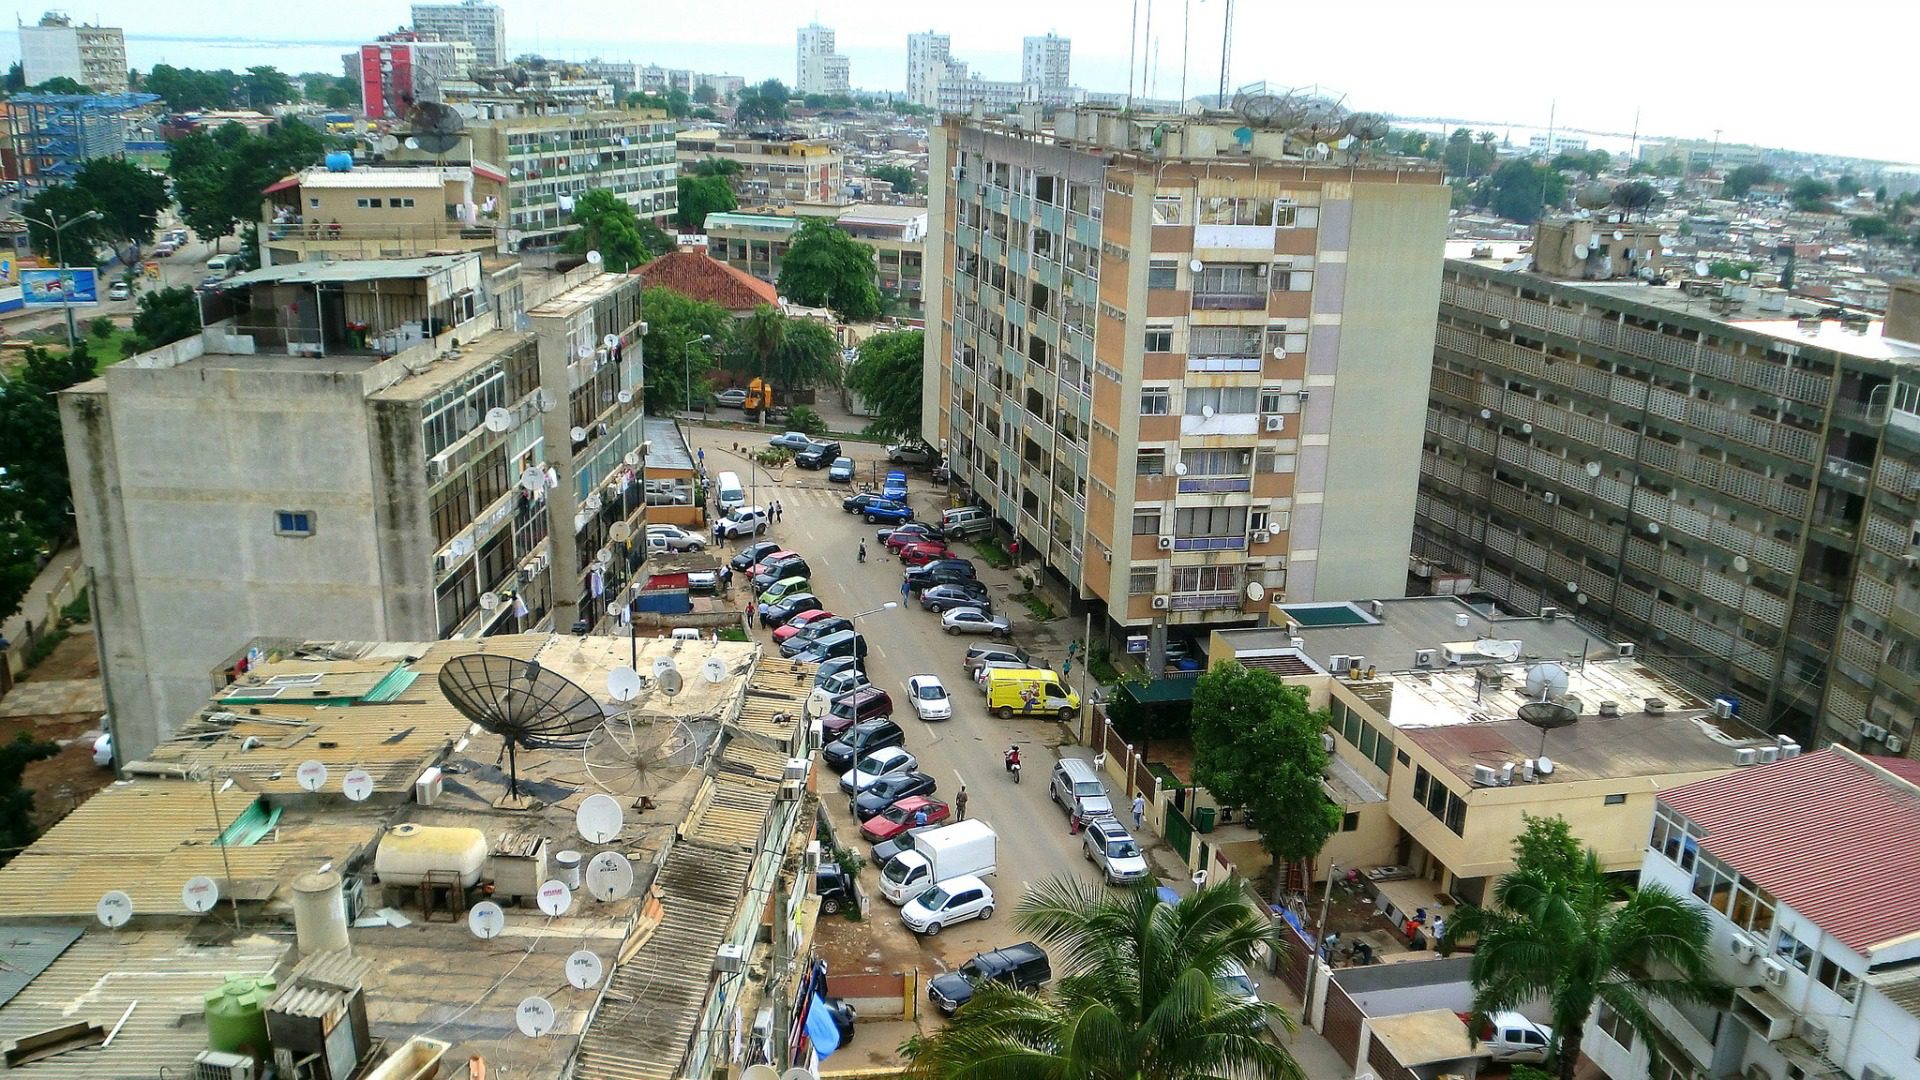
{"x": 877, "y": 512}
{"x": 895, "y": 487}
{"x": 857, "y": 504}
{"x": 841, "y": 471}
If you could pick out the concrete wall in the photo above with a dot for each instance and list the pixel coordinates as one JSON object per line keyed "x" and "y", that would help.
{"x": 937, "y": 396}
{"x": 1385, "y": 321}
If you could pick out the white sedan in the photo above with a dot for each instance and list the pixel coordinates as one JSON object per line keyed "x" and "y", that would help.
{"x": 948, "y": 902}
{"x": 883, "y": 762}
{"x": 929, "y": 697}
{"x": 968, "y": 620}
{"x": 673, "y": 538}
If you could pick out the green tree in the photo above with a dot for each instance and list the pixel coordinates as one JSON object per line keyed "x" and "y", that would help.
{"x": 1546, "y": 846}
{"x": 166, "y": 316}
{"x": 1635, "y": 196}
{"x": 16, "y": 803}
{"x": 766, "y": 103}
{"x": 705, "y": 94}
{"x": 1138, "y": 998}
{"x": 128, "y": 196}
{"x": 267, "y": 86}
{"x": 887, "y": 376}
{"x": 1256, "y": 744}
{"x": 1809, "y": 194}
{"x": 1685, "y": 229}
{"x": 1868, "y": 228}
{"x": 1573, "y": 943}
{"x": 60, "y": 84}
{"x": 717, "y": 166}
{"x": 57, "y": 205}
{"x": 1731, "y": 269}
{"x": 808, "y": 356}
{"x": 675, "y": 356}
{"x": 1522, "y": 190}
{"x": 899, "y": 176}
{"x": 678, "y": 104}
{"x": 1670, "y": 166}
{"x": 31, "y": 446}
{"x": 700, "y": 196}
{"x": 1744, "y": 179}
{"x": 1458, "y": 155}
{"x": 604, "y": 222}
{"x": 19, "y": 551}
{"x": 826, "y": 267}
{"x": 1847, "y": 184}
{"x": 16, "y": 78}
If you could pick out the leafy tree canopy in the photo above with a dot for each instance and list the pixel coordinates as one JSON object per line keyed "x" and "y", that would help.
{"x": 58, "y": 205}
{"x": 826, "y": 267}
{"x": 31, "y": 446}
{"x": 60, "y": 84}
{"x": 1809, "y": 194}
{"x": 887, "y": 376}
{"x": 218, "y": 177}
{"x": 1744, "y": 179}
{"x": 166, "y": 316}
{"x": 1522, "y": 189}
{"x": 899, "y": 176}
{"x": 129, "y": 197}
{"x": 1546, "y": 846}
{"x": 675, "y": 358}
{"x": 604, "y": 222}
{"x": 705, "y": 94}
{"x": 717, "y": 166}
{"x": 700, "y": 196}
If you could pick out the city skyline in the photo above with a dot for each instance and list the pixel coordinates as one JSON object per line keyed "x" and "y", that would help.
{"x": 1488, "y": 68}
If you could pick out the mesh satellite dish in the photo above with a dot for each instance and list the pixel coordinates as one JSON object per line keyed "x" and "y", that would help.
{"x": 522, "y": 702}
{"x": 1546, "y": 682}
{"x": 640, "y": 753}
{"x": 1593, "y": 196}
{"x": 1547, "y": 715}
{"x": 609, "y": 876}
{"x": 534, "y": 1016}
{"x": 437, "y": 128}
{"x": 114, "y": 910}
{"x": 199, "y": 894}
{"x": 1324, "y": 121}
{"x": 1368, "y": 127}
{"x": 599, "y": 819}
{"x": 499, "y": 420}
{"x": 584, "y": 969}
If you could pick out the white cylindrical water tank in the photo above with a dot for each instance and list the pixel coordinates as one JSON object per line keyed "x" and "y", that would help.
{"x": 567, "y": 868}
{"x": 320, "y": 913}
{"x": 409, "y": 852}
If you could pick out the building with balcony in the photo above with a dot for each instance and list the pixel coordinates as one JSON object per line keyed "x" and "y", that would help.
{"x": 1728, "y": 476}
{"x": 818, "y": 69}
{"x": 396, "y": 75}
{"x": 929, "y": 62}
{"x": 756, "y": 242}
{"x": 482, "y": 25}
{"x": 787, "y": 169}
{"x": 551, "y": 159}
{"x": 1178, "y": 376}
{"x": 1047, "y": 62}
{"x": 93, "y": 56}
{"x": 1439, "y": 754}
{"x": 362, "y": 450}
{"x": 1808, "y": 874}
{"x": 322, "y": 214}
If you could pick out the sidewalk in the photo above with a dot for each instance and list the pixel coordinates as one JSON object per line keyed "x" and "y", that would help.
{"x": 37, "y": 606}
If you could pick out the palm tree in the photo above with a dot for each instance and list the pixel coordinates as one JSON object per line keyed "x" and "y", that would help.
{"x": 1574, "y": 942}
{"x": 1141, "y": 1000}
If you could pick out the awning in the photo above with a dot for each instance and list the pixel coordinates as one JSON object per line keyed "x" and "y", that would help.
{"x": 281, "y": 185}
{"x": 486, "y": 171}
{"x": 1160, "y": 691}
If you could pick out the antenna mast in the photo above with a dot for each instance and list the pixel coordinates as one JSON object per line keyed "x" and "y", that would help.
{"x": 1226, "y": 49}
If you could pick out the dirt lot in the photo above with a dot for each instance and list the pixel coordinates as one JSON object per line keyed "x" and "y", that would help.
{"x": 62, "y": 782}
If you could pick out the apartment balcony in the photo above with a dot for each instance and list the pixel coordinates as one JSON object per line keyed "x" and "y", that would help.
{"x": 1230, "y": 301}
{"x": 1214, "y": 485}
{"x": 1204, "y": 601}
{"x": 1209, "y": 543}
{"x": 313, "y": 241}
{"x": 1847, "y": 474}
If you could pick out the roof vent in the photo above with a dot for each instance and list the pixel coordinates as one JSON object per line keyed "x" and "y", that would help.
{"x": 1656, "y": 706}
{"x": 1609, "y": 708}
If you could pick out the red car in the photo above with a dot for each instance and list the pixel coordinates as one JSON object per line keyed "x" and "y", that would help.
{"x": 911, "y": 533}
{"x": 772, "y": 557}
{"x": 798, "y": 623}
{"x": 922, "y": 554}
{"x": 899, "y": 818}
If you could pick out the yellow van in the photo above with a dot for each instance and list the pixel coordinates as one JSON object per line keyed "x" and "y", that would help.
{"x": 1029, "y": 692}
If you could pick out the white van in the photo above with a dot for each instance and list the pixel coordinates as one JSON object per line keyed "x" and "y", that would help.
{"x": 730, "y": 492}
{"x": 220, "y": 263}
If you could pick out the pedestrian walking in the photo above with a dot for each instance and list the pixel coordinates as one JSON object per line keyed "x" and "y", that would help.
{"x": 778, "y": 510}
{"x": 1139, "y": 810}
{"x": 960, "y": 802}
{"x": 905, "y": 588}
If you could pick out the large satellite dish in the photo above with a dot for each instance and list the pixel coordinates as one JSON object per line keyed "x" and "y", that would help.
{"x": 1547, "y": 715}
{"x": 437, "y": 128}
{"x": 523, "y": 703}
{"x": 1546, "y": 682}
{"x": 639, "y": 754}
{"x": 1368, "y": 127}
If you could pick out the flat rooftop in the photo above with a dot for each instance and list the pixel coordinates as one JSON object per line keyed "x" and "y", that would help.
{"x": 1631, "y": 745}
{"x": 586, "y": 291}
{"x": 351, "y": 270}
{"x": 1428, "y": 1037}
{"x": 669, "y": 449}
{"x": 1390, "y": 633}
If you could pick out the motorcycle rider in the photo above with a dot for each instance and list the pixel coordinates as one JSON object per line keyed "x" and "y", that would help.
{"x": 1012, "y": 758}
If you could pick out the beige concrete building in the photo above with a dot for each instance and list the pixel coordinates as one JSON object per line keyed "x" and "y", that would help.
{"x": 552, "y": 159}
{"x": 756, "y": 242}
{"x": 355, "y": 450}
{"x": 57, "y": 47}
{"x": 784, "y": 170}
{"x": 1186, "y": 377}
{"x": 322, "y": 214}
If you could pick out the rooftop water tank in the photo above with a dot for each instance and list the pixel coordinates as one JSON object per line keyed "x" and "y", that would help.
{"x": 409, "y": 852}
{"x": 237, "y": 1016}
{"x": 339, "y": 161}
{"x": 320, "y": 913}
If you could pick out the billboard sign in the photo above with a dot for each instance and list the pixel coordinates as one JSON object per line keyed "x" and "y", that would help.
{"x": 72, "y": 284}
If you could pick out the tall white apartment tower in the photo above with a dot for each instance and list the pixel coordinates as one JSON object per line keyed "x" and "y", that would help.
{"x": 1045, "y": 60}
{"x": 817, "y": 68}
{"x": 482, "y": 25}
{"x": 928, "y": 56}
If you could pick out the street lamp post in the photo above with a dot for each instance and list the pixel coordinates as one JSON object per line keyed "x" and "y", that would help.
{"x": 60, "y": 255}
{"x": 858, "y": 737}
{"x": 1319, "y": 944}
{"x": 686, "y": 362}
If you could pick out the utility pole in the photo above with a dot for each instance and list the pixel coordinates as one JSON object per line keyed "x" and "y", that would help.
{"x": 1319, "y": 945}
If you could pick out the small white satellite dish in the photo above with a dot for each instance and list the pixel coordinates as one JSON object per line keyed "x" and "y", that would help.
{"x": 530, "y": 479}
{"x": 358, "y": 784}
{"x": 594, "y": 503}
{"x": 714, "y": 670}
{"x": 114, "y": 909}
{"x": 554, "y": 897}
{"x": 1579, "y": 251}
{"x": 498, "y": 420}
{"x": 311, "y": 774}
{"x": 760, "y": 1072}
{"x": 1506, "y": 324}
{"x": 389, "y": 142}
{"x": 1179, "y": 468}
{"x": 1618, "y": 235}
{"x": 1573, "y": 586}
{"x": 199, "y": 894}
{"x": 546, "y": 400}
{"x": 577, "y": 433}
{"x": 1546, "y": 681}
{"x": 611, "y": 341}
{"x": 413, "y": 143}
{"x": 489, "y": 601}
{"x": 609, "y": 876}
{"x": 604, "y": 557}
{"x": 625, "y": 397}
{"x": 1543, "y": 765}
{"x": 1593, "y": 468}
{"x": 1256, "y": 592}
{"x": 461, "y": 547}
{"x": 1279, "y": 352}
{"x": 1196, "y": 266}
{"x": 1701, "y": 268}
{"x": 534, "y": 1016}
{"x": 584, "y": 969}
{"x": 1653, "y": 527}
{"x": 1206, "y": 411}
{"x": 1740, "y": 564}
{"x": 593, "y": 257}
{"x": 1746, "y": 275}
{"x": 599, "y": 818}
{"x": 663, "y": 665}
{"x": 671, "y": 683}
{"x": 620, "y": 532}
{"x": 614, "y": 609}
{"x": 797, "y": 1074}
{"x": 818, "y": 702}
{"x": 486, "y": 920}
{"x": 632, "y": 459}
{"x": 584, "y": 351}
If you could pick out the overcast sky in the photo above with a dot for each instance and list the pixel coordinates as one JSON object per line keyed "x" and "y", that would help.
{"x": 1804, "y": 76}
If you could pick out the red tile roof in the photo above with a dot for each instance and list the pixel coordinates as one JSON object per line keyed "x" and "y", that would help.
{"x": 1834, "y": 835}
{"x": 701, "y": 277}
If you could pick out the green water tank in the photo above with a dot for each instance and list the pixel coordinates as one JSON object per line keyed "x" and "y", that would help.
{"x": 237, "y": 1015}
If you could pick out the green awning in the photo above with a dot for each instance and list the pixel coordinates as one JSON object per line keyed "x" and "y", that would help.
{"x": 1161, "y": 691}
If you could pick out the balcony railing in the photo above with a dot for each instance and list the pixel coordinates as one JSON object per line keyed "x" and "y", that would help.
{"x": 1203, "y": 485}
{"x": 1209, "y": 543}
{"x": 1204, "y": 601}
{"x": 1229, "y": 301}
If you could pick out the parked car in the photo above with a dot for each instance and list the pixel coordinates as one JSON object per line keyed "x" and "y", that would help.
{"x": 795, "y": 441}
{"x": 862, "y": 704}
{"x": 841, "y": 471}
{"x": 902, "y": 819}
{"x": 971, "y": 620}
{"x": 919, "y": 577}
{"x": 922, "y": 554}
{"x": 895, "y": 486}
{"x": 843, "y": 681}
{"x": 978, "y": 656}
{"x": 884, "y": 851}
{"x": 939, "y": 598}
{"x": 675, "y": 538}
{"x": 163, "y": 250}
{"x": 780, "y": 590}
{"x": 862, "y": 738}
{"x": 1019, "y": 967}
{"x": 888, "y": 790}
{"x": 912, "y": 454}
{"x": 1108, "y": 846}
{"x": 885, "y": 761}
{"x": 817, "y": 455}
{"x": 966, "y": 521}
{"x": 778, "y": 568}
{"x": 742, "y": 521}
{"x": 120, "y": 291}
{"x": 746, "y": 557}
{"x": 798, "y": 623}
{"x": 769, "y": 558}
{"x": 1509, "y": 1036}
{"x": 929, "y": 698}
{"x": 838, "y": 643}
{"x": 951, "y": 901}
{"x": 882, "y": 510}
{"x": 834, "y": 887}
{"x": 734, "y": 398}
{"x": 778, "y": 612}
{"x": 811, "y": 631}
{"x": 913, "y": 532}
{"x": 1234, "y": 982}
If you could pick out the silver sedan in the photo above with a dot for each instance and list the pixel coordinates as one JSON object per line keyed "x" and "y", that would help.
{"x": 971, "y": 620}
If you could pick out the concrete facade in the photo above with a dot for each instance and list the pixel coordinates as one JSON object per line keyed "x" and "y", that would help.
{"x": 788, "y": 170}
{"x": 817, "y": 68}
{"x": 93, "y": 56}
{"x": 551, "y": 160}
{"x": 483, "y": 25}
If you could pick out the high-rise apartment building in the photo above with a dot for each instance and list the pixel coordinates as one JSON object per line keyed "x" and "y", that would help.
{"x": 818, "y": 69}
{"x": 552, "y": 159}
{"x": 772, "y": 170}
{"x": 395, "y": 76}
{"x": 928, "y": 57}
{"x": 1725, "y": 475}
{"x": 1174, "y": 363}
{"x": 93, "y": 56}
{"x": 485, "y": 25}
{"x": 367, "y": 449}
{"x": 1046, "y": 62}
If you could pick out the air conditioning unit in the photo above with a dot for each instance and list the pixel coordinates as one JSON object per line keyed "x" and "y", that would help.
{"x": 814, "y": 854}
{"x": 1744, "y": 948}
{"x": 1302, "y": 395}
{"x": 215, "y": 1065}
{"x": 436, "y": 470}
{"x": 1166, "y": 543}
{"x": 1276, "y": 423}
{"x": 1625, "y": 649}
{"x": 1485, "y": 776}
{"x": 1162, "y": 603}
{"x": 729, "y": 959}
{"x": 1769, "y": 754}
{"x": 1423, "y": 658}
{"x": 1814, "y": 1034}
{"x": 795, "y": 769}
{"x": 1723, "y": 708}
{"x": 1326, "y": 741}
{"x": 1872, "y": 731}
{"x": 1788, "y": 748}
{"x": 1774, "y": 970}
{"x": 1337, "y": 662}
{"x": 1262, "y": 536}
{"x": 791, "y": 790}
{"x": 1746, "y": 755}
{"x": 1896, "y": 744}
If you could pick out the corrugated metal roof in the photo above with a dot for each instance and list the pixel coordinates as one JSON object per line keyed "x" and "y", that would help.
{"x": 1834, "y": 835}
{"x": 28, "y": 950}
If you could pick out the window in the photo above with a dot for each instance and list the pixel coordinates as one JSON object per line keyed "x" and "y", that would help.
{"x": 1166, "y": 210}
{"x": 1349, "y": 822}
{"x": 1217, "y": 462}
{"x": 1421, "y": 780}
{"x": 1151, "y": 461}
{"x": 1224, "y": 341}
{"x": 1159, "y": 339}
{"x": 1615, "y": 800}
{"x": 1163, "y": 274}
{"x": 1797, "y": 953}
{"x": 1206, "y": 579}
{"x": 1142, "y": 580}
{"x": 1155, "y": 401}
{"x": 293, "y": 523}
{"x": 1224, "y": 211}
{"x": 313, "y": 204}
{"x": 1271, "y": 461}
{"x": 1836, "y": 978}
{"x": 1231, "y": 279}
{"x": 397, "y": 203}
{"x": 1146, "y": 523}
{"x": 1257, "y": 520}
{"x": 1615, "y": 1026}
{"x": 1401, "y": 757}
{"x": 366, "y": 204}
{"x": 1210, "y": 521}
{"x": 1221, "y": 399}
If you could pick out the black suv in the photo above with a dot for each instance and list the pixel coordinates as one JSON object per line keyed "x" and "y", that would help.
{"x": 817, "y": 455}
{"x": 869, "y": 735}
{"x": 1020, "y": 967}
{"x": 835, "y": 887}
{"x": 780, "y": 571}
{"x": 753, "y": 553}
{"x": 940, "y": 572}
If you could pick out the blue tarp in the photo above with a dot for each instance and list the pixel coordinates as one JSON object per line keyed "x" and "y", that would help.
{"x": 821, "y": 1030}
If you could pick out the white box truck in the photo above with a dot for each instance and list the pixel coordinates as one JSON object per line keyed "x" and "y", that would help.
{"x": 965, "y": 847}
